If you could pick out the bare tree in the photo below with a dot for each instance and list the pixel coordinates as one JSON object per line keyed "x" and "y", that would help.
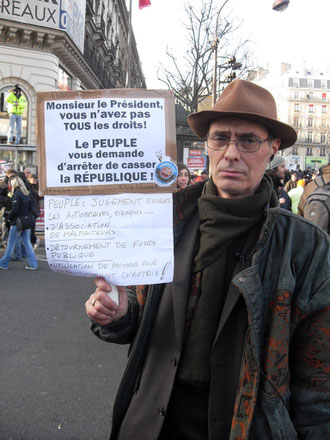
{"x": 190, "y": 76}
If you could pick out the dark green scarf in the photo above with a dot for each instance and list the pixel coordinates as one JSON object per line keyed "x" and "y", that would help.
{"x": 222, "y": 221}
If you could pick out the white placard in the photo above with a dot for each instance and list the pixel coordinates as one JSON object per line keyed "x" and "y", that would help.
{"x": 104, "y": 141}
{"x": 127, "y": 238}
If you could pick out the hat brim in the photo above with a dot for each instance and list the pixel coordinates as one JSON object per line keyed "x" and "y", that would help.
{"x": 199, "y": 123}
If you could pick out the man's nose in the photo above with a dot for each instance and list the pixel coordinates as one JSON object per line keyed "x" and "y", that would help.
{"x": 231, "y": 151}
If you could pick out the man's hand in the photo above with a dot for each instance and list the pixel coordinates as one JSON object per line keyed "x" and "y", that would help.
{"x": 101, "y": 309}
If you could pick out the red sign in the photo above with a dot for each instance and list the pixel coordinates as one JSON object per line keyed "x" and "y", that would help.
{"x": 195, "y": 152}
{"x": 196, "y": 163}
{"x": 40, "y": 222}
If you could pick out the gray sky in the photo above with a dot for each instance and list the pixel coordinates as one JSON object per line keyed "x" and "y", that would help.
{"x": 298, "y": 34}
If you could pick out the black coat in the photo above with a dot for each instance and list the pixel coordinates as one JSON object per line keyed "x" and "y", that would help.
{"x": 20, "y": 205}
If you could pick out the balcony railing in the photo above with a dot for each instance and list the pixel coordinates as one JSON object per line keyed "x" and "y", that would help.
{"x": 307, "y": 98}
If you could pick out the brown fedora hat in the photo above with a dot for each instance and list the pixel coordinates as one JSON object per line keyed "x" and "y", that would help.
{"x": 247, "y": 100}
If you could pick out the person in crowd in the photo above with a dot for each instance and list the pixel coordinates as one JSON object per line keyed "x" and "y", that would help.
{"x": 307, "y": 177}
{"x": 6, "y": 189}
{"x": 5, "y": 202}
{"x": 292, "y": 183}
{"x": 236, "y": 346}
{"x": 276, "y": 172}
{"x": 198, "y": 176}
{"x": 295, "y": 195}
{"x": 34, "y": 189}
{"x": 299, "y": 172}
{"x": 183, "y": 179}
{"x": 324, "y": 172}
{"x": 287, "y": 176}
{"x": 16, "y": 104}
{"x": 19, "y": 250}
{"x": 192, "y": 178}
{"x": 21, "y": 204}
{"x": 27, "y": 174}
{"x": 204, "y": 175}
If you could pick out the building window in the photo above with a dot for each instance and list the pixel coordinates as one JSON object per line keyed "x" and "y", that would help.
{"x": 296, "y": 94}
{"x": 323, "y": 123}
{"x": 295, "y": 151}
{"x": 296, "y": 121}
{"x": 310, "y": 137}
{"x": 310, "y": 122}
{"x": 311, "y": 108}
{"x": 309, "y": 151}
{"x": 323, "y": 138}
{"x": 323, "y": 84}
{"x": 324, "y": 109}
{"x": 296, "y": 108}
{"x": 64, "y": 80}
{"x": 324, "y": 96}
{"x": 310, "y": 83}
{"x": 323, "y": 151}
{"x": 296, "y": 82}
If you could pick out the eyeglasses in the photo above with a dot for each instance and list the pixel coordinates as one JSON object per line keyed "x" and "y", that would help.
{"x": 249, "y": 144}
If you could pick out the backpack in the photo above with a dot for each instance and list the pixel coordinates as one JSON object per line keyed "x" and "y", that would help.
{"x": 317, "y": 206}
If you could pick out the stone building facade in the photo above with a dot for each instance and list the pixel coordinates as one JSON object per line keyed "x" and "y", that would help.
{"x": 303, "y": 100}
{"x": 50, "y": 45}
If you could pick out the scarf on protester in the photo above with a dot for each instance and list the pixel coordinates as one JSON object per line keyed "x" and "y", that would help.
{"x": 222, "y": 221}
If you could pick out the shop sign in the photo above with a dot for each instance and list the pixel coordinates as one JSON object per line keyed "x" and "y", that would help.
{"x": 315, "y": 162}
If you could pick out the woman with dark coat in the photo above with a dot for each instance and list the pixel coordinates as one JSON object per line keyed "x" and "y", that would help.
{"x": 22, "y": 204}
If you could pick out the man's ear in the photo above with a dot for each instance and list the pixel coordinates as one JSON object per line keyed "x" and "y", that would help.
{"x": 276, "y": 145}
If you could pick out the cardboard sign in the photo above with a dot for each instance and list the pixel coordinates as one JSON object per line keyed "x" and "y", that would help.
{"x": 107, "y": 171}
{"x": 106, "y": 142}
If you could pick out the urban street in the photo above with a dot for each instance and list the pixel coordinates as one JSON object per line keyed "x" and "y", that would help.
{"x": 58, "y": 381}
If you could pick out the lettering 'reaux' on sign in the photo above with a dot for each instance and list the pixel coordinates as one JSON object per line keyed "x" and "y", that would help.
{"x": 106, "y": 142}
{"x": 64, "y": 15}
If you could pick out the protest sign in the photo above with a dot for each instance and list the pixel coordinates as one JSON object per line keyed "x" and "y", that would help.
{"x": 113, "y": 236}
{"x": 106, "y": 141}
{"x": 107, "y": 171}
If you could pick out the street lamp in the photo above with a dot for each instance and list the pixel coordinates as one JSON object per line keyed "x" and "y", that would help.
{"x": 230, "y": 64}
{"x": 280, "y": 5}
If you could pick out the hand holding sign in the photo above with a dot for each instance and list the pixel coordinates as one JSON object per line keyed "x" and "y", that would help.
{"x": 101, "y": 308}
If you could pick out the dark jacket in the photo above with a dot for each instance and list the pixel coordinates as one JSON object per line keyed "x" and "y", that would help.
{"x": 20, "y": 205}
{"x": 283, "y": 389}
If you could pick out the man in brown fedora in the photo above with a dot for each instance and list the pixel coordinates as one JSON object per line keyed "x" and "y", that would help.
{"x": 235, "y": 347}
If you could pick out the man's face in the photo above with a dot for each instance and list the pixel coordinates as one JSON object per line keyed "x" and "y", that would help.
{"x": 236, "y": 174}
{"x": 281, "y": 169}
